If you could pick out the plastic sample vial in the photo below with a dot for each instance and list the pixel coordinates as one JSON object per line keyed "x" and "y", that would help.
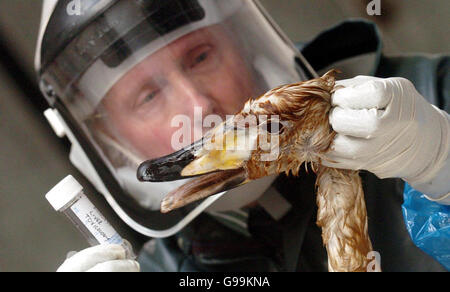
{"x": 68, "y": 197}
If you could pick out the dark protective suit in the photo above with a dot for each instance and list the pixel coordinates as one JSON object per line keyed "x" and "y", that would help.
{"x": 294, "y": 243}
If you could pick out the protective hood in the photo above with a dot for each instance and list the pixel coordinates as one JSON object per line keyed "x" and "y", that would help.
{"x": 137, "y": 80}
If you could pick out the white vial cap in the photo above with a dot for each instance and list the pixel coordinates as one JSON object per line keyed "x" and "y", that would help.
{"x": 64, "y": 192}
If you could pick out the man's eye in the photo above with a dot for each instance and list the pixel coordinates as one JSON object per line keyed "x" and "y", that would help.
{"x": 202, "y": 57}
{"x": 149, "y": 97}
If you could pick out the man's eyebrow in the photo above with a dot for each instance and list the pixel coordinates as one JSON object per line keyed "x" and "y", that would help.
{"x": 145, "y": 83}
{"x": 193, "y": 39}
{"x": 152, "y": 81}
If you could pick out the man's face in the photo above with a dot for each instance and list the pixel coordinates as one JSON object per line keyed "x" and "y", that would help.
{"x": 202, "y": 69}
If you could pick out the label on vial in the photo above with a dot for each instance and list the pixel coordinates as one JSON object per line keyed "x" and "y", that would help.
{"x": 95, "y": 222}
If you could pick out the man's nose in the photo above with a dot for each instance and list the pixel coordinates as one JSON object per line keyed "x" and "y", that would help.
{"x": 195, "y": 103}
{"x": 193, "y": 95}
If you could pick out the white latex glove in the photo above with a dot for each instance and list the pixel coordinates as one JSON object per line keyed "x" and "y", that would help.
{"x": 100, "y": 258}
{"x": 386, "y": 127}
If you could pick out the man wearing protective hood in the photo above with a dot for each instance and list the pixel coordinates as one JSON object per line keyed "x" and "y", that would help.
{"x": 122, "y": 76}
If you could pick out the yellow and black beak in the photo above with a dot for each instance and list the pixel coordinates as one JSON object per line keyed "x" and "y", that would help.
{"x": 167, "y": 168}
{"x": 215, "y": 169}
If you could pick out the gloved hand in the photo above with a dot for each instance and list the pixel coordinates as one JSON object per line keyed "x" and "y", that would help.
{"x": 386, "y": 127}
{"x": 100, "y": 258}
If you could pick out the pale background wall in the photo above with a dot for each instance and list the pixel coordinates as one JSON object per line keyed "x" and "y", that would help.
{"x": 32, "y": 160}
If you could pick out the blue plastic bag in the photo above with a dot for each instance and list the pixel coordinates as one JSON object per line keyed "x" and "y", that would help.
{"x": 428, "y": 224}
